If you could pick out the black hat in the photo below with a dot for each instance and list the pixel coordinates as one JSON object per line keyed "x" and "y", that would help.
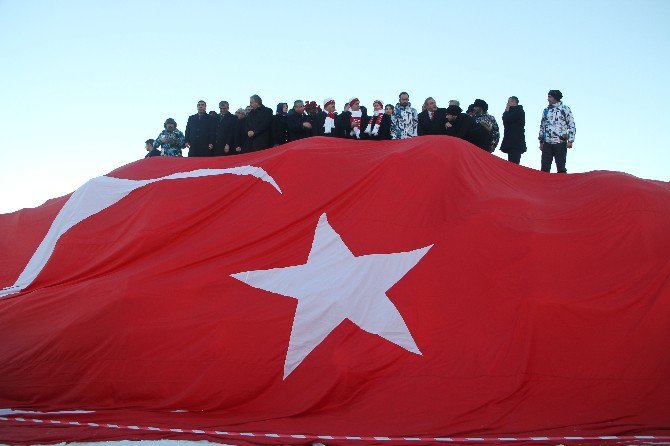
{"x": 556, "y": 94}
{"x": 471, "y": 107}
{"x": 169, "y": 121}
{"x": 454, "y": 110}
{"x": 481, "y": 104}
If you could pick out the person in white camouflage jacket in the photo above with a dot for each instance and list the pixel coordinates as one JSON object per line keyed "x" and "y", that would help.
{"x": 482, "y": 117}
{"x": 557, "y": 132}
{"x": 405, "y": 119}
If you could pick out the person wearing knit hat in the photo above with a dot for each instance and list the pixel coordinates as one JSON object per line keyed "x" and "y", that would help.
{"x": 170, "y": 140}
{"x": 326, "y": 122}
{"x": 463, "y": 126}
{"x": 557, "y": 132}
{"x": 353, "y": 119}
{"x": 378, "y": 126}
{"x": 480, "y": 113}
{"x": 556, "y": 94}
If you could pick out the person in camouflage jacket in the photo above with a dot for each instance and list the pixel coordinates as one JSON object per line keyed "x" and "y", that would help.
{"x": 170, "y": 140}
{"x": 557, "y": 132}
{"x": 482, "y": 118}
{"x": 405, "y": 119}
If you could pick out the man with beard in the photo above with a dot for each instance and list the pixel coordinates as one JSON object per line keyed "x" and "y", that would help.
{"x": 298, "y": 123}
{"x": 432, "y": 120}
{"x": 480, "y": 109}
{"x": 200, "y": 132}
{"x": 461, "y": 125}
{"x": 514, "y": 139}
{"x": 326, "y": 122}
{"x": 225, "y": 130}
{"x": 405, "y": 119}
{"x": 258, "y": 123}
{"x": 170, "y": 140}
{"x": 379, "y": 125}
{"x": 353, "y": 119}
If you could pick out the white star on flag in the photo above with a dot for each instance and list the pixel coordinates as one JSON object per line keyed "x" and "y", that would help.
{"x": 335, "y": 285}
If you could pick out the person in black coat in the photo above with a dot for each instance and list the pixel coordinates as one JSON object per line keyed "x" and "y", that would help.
{"x": 379, "y": 124}
{"x": 258, "y": 123}
{"x": 200, "y": 132}
{"x": 432, "y": 120}
{"x": 298, "y": 123}
{"x": 327, "y": 122}
{"x": 225, "y": 130}
{"x": 514, "y": 139}
{"x": 151, "y": 151}
{"x": 462, "y": 125}
{"x": 278, "y": 127}
{"x": 354, "y": 120}
{"x": 240, "y": 137}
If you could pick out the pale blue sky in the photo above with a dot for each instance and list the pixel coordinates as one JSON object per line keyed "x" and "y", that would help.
{"x": 84, "y": 83}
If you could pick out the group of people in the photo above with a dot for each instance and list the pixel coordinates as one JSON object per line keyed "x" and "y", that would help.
{"x": 258, "y": 128}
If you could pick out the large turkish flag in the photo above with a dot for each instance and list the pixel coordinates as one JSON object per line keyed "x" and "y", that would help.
{"x": 339, "y": 291}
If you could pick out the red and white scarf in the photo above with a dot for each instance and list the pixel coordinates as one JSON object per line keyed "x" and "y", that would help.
{"x": 355, "y": 122}
{"x": 329, "y": 123}
{"x": 374, "y": 122}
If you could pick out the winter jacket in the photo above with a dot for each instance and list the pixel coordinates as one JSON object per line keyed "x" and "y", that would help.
{"x": 405, "y": 122}
{"x": 174, "y": 144}
{"x": 557, "y": 124}
{"x": 491, "y": 126}
{"x": 514, "y": 121}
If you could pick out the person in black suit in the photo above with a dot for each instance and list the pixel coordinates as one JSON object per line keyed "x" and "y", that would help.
{"x": 258, "y": 123}
{"x": 240, "y": 133}
{"x": 200, "y": 132}
{"x": 225, "y": 130}
{"x": 432, "y": 120}
{"x": 299, "y": 124}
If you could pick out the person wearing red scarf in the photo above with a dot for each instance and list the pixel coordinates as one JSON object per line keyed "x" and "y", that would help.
{"x": 379, "y": 124}
{"x": 327, "y": 122}
{"x": 354, "y": 119}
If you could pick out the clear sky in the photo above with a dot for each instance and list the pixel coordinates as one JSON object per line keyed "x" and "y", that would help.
{"x": 84, "y": 83}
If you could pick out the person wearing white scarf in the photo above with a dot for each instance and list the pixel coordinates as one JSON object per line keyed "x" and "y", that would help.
{"x": 375, "y": 120}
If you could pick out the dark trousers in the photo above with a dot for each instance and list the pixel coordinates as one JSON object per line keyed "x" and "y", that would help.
{"x": 199, "y": 149}
{"x": 514, "y": 156}
{"x": 554, "y": 151}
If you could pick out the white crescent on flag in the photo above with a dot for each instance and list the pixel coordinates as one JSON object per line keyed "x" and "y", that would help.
{"x": 99, "y": 194}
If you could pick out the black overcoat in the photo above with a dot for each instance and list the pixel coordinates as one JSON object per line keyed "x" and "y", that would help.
{"x": 436, "y": 126}
{"x": 259, "y": 121}
{"x": 200, "y": 133}
{"x": 514, "y": 138}
{"x": 225, "y": 133}
{"x": 296, "y": 129}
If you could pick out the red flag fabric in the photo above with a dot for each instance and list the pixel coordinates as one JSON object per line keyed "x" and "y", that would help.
{"x": 345, "y": 292}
